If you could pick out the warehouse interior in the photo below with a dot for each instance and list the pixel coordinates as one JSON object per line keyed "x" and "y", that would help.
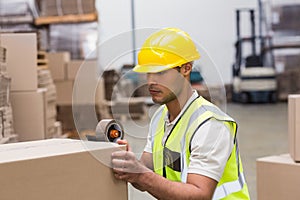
{"x": 66, "y": 79}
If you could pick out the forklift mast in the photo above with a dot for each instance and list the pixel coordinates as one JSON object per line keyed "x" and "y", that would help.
{"x": 252, "y": 60}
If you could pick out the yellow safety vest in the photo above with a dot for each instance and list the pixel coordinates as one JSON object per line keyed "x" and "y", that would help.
{"x": 172, "y": 159}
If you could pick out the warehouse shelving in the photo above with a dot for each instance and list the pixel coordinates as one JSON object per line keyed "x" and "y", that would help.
{"x": 66, "y": 19}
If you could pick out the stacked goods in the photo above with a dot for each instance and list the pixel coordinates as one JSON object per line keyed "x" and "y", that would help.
{"x": 18, "y": 16}
{"x": 64, "y": 72}
{"x": 111, "y": 78}
{"x": 6, "y": 119}
{"x": 78, "y": 39}
{"x": 285, "y": 31}
{"x": 28, "y": 103}
{"x": 274, "y": 172}
{"x": 66, "y": 7}
{"x": 15, "y": 12}
{"x": 288, "y": 82}
{"x": 286, "y": 17}
{"x": 2, "y": 60}
{"x": 43, "y": 39}
{"x": 45, "y": 81}
{"x": 288, "y": 78}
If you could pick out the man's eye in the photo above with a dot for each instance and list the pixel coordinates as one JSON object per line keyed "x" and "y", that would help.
{"x": 161, "y": 73}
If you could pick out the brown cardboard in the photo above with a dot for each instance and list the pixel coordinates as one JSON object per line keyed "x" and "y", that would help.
{"x": 29, "y": 114}
{"x": 294, "y": 126}
{"x": 57, "y": 64}
{"x": 21, "y": 60}
{"x": 74, "y": 65}
{"x": 60, "y": 169}
{"x": 64, "y": 92}
{"x": 278, "y": 177}
{"x": 85, "y": 73}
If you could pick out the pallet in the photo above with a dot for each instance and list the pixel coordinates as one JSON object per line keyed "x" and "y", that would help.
{"x": 66, "y": 19}
{"x": 42, "y": 61}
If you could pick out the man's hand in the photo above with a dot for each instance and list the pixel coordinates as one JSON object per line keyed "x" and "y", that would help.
{"x": 124, "y": 142}
{"x": 126, "y": 166}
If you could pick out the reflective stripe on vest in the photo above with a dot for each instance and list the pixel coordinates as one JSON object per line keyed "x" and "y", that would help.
{"x": 229, "y": 187}
{"x": 232, "y": 180}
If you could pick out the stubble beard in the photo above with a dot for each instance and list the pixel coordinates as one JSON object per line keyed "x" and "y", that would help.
{"x": 170, "y": 97}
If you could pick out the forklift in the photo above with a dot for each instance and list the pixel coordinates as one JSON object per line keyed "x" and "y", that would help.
{"x": 253, "y": 80}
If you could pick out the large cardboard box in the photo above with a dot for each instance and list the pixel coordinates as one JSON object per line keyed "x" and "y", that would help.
{"x": 294, "y": 126}
{"x": 29, "y": 114}
{"x": 60, "y": 169}
{"x": 21, "y": 58}
{"x": 278, "y": 177}
{"x": 57, "y": 63}
{"x": 64, "y": 92}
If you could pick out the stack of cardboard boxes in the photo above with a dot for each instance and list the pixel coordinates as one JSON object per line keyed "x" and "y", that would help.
{"x": 45, "y": 81}
{"x": 6, "y": 120}
{"x": 29, "y": 103}
{"x": 278, "y": 177}
{"x": 64, "y": 72}
{"x": 289, "y": 79}
{"x": 285, "y": 45}
{"x": 284, "y": 16}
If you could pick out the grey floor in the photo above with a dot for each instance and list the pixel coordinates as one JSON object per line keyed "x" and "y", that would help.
{"x": 263, "y": 131}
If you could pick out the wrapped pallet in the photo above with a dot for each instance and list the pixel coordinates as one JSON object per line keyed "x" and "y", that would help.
{"x": 66, "y": 7}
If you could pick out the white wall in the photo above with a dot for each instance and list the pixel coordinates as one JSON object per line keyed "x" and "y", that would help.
{"x": 210, "y": 23}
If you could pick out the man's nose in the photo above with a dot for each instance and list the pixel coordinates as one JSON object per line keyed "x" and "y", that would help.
{"x": 151, "y": 79}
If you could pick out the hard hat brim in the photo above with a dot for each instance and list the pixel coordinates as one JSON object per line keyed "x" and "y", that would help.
{"x": 151, "y": 68}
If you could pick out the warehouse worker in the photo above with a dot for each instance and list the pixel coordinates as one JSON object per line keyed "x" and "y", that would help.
{"x": 192, "y": 150}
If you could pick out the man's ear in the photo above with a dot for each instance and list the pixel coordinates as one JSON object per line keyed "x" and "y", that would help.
{"x": 186, "y": 69}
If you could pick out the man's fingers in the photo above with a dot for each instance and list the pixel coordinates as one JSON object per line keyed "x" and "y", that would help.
{"x": 122, "y": 142}
{"x": 120, "y": 166}
{"x": 127, "y": 155}
{"x": 119, "y": 154}
{"x": 121, "y": 176}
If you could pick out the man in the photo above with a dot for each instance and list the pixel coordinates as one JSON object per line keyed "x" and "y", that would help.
{"x": 192, "y": 151}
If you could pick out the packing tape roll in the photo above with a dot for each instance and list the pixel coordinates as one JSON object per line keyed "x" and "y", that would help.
{"x": 109, "y": 130}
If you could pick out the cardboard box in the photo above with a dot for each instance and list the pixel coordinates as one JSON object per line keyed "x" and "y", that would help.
{"x": 57, "y": 64}
{"x": 278, "y": 177}
{"x": 29, "y": 114}
{"x": 60, "y": 169}
{"x": 74, "y": 65}
{"x": 82, "y": 115}
{"x": 65, "y": 116}
{"x": 86, "y": 80}
{"x": 64, "y": 92}
{"x": 294, "y": 126}
{"x": 21, "y": 60}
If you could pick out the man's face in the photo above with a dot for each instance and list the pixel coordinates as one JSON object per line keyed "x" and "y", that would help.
{"x": 165, "y": 86}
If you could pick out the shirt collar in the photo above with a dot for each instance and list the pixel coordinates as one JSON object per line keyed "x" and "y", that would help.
{"x": 192, "y": 98}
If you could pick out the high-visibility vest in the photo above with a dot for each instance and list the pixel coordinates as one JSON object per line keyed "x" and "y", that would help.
{"x": 172, "y": 159}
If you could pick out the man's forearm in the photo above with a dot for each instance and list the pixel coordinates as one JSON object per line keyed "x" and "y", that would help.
{"x": 161, "y": 188}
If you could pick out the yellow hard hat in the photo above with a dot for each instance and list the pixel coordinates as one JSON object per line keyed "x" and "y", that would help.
{"x": 165, "y": 49}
